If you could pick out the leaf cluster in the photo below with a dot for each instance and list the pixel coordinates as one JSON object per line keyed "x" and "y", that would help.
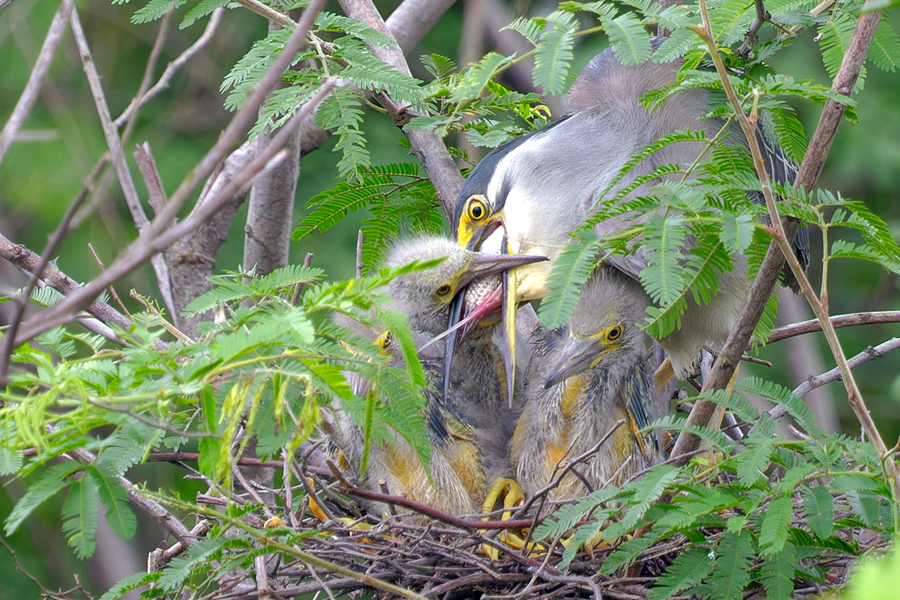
{"x": 760, "y": 517}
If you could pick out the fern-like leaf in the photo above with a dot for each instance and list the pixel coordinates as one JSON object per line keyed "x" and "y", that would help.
{"x": 554, "y": 54}
{"x": 777, "y": 573}
{"x": 628, "y": 39}
{"x": 818, "y": 506}
{"x": 570, "y": 271}
{"x": 687, "y": 570}
{"x": 80, "y": 517}
{"x": 773, "y": 532}
{"x": 732, "y": 571}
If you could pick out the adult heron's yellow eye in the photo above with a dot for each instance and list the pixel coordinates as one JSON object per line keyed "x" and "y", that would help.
{"x": 614, "y": 333}
{"x": 477, "y": 210}
{"x": 443, "y": 290}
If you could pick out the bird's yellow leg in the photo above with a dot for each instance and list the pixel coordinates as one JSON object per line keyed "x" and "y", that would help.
{"x": 512, "y": 496}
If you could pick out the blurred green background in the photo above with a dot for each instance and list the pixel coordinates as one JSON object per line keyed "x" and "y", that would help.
{"x": 42, "y": 174}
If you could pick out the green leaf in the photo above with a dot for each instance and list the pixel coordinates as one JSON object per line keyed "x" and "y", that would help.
{"x": 154, "y": 9}
{"x": 180, "y": 567}
{"x": 80, "y": 517}
{"x": 777, "y": 573}
{"x": 663, "y": 277}
{"x": 119, "y": 517}
{"x": 737, "y": 231}
{"x": 10, "y": 461}
{"x": 473, "y": 81}
{"x": 885, "y": 48}
{"x": 866, "y": 506}
{"x": 553, "y": 55}
{"x": 129, "y": 583}
{"x": 570, "y": 271}
{"x": 818, "y": 505}
{"x": 48, "y": 483}
{"x": 732, "y": 571}
{"x": 774, "y": 529}
{"x": 754, "y": 460}
{"x": 687, "y": 570}
{"x": 202, "y": 9}
{"x": 628, "y": 38}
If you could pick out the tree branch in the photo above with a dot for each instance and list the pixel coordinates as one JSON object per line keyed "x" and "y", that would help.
{"x": 810, "y": 169}
{"x": 835, "y": 374}
{"x": 157, "y": 237}
{"x": 428, "y": 147}
{"x": 837, "y": 321}
{"x": 38, "y": 74}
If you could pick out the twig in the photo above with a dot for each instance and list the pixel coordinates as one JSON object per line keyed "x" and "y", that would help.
{"x": 173, "y": 67}
{"x": 571, "y": 465}
{"x": 762, "y": 15}
{"x": 426, "y": 145}
{"x": 359, "y": 247}
{"x": 837, "y": 321}
{"x": 436, "y": 514}
{"x": 299, "y": 287}
{"x": 21, "y": 300}
{"x": 156, "y": 238}
{"x": 156, "y": 193}
{"x": 19, "y": 568}
{"x": 835, "y": 374}
{"x": 38, "y": 74}
{"x": 111, "y": 289}
{"x": 267, "y": 12}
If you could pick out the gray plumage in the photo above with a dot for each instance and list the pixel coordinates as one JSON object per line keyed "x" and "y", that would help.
{"x": 579, "y": 382}
{"x": 543, "y": 188}
{"x": 463, "y": 446}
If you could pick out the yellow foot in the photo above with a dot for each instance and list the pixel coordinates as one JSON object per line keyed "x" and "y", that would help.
{"x": 512, "y": 496}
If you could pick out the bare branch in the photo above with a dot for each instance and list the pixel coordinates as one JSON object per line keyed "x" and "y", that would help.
{"x": 38, "y": 73}
{"x": 157, "y": 238}
{"x": 267, "y": 232}
{"x": 835, "y": 374}
{"x": 173, "y": 67}
{"x": 413, "y": 19}
{"x": 154, "y": 241}
{"x": 837, "y": 321}
{"x": 428, "y": 147}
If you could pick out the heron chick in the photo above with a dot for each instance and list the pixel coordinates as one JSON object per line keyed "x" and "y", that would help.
{"x": 579, "y": 382}
{"x": 454, "y": 482}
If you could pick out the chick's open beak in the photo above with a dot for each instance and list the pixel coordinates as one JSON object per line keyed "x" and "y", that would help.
{"x": 482, "y": 264}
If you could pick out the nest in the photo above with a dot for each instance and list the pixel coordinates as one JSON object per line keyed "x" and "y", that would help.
{"x": 418, "y": 552}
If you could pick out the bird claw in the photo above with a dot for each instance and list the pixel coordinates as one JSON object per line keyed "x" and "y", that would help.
{"x": 512, "y": 496}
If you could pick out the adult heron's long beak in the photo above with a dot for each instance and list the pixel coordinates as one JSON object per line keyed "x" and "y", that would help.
{"x": 482, "y": 264}
{"x": 579, "y": 355}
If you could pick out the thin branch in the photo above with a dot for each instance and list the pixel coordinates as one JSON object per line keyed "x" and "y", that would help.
{"x": 173, "y": 67}
{"x": 157, "y": 238}
{"x": 837, "y": 321}
{"x": 780, "y": 249}
{"x": 28, "y": 261}
{"x": 428, "y": 147}
{"x": 21, "y": 300}
{"x": 126, "y": 181}
{"x": 835, "y": 374}
{"x": 762, "y": 15}
{"x": 38, "y": 74}
{"x": 269, "y": 13}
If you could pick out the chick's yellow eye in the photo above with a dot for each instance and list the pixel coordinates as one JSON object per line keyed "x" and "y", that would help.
{"x": 443, "y": 290}
{"x": 477, "y": 210}
{"x": 614, "y": 333}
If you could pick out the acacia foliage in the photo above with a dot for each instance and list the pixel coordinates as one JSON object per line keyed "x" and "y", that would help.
{"x": 763, "y": 515}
